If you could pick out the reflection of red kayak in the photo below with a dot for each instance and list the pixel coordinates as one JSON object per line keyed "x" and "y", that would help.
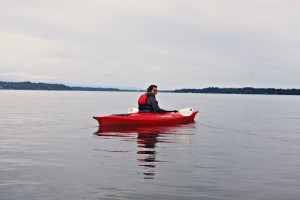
{"x": 144, "y": 129}
{"x": 146, "y": 119}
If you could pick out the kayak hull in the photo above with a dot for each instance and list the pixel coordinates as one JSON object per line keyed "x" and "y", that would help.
{"x": 144, "y": 119}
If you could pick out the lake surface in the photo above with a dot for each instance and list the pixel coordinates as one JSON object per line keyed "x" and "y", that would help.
{"x": 240, "y": 147}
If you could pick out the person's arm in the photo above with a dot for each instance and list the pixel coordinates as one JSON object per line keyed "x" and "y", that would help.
{"x": 155, "y": 106}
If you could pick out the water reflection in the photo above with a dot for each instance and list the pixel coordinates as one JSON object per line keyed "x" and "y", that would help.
{"x": 146, "y": 148}
{"x": 147, "y": 138}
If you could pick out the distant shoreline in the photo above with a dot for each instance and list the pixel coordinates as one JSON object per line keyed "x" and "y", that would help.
{"x": 210, "y": 90}
{"x": 245, "y": 90}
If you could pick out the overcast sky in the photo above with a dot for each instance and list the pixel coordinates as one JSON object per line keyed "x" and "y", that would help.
{"x": 134, "y": 43}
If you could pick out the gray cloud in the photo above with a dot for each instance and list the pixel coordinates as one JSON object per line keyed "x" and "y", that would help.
{"x": 134, "y": 43}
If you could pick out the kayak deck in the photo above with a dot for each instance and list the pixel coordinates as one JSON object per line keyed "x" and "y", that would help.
{"x": 144, "y": 119}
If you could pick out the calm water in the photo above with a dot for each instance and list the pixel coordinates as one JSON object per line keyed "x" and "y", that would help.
{"x": 240, "y": 147}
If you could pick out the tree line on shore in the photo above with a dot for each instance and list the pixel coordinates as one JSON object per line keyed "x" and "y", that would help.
{"x": 210, "y": 90}
{"x": 245, "y": 90}
{"x": 48, "y": 86}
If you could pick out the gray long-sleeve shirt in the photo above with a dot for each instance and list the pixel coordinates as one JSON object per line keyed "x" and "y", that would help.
{"x": 152, "y": 101}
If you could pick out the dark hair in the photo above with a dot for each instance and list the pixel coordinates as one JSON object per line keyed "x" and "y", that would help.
{"x": 150, "y": 88}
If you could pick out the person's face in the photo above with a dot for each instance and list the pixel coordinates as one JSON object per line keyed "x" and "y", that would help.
{"x": 154, "y": 91}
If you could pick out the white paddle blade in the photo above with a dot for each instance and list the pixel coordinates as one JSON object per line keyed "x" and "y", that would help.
{"x": 133, "y": 110}
{"x": 186, "y": 111}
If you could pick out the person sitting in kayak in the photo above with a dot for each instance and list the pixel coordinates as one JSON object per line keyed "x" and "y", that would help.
{"x": 147, "y": 102}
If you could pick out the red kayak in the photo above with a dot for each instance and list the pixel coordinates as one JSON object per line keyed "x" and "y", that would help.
{"x": 164, "y": 118}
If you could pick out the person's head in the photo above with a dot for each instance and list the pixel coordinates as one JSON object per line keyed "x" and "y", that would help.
{"x": 152, "y": 89}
